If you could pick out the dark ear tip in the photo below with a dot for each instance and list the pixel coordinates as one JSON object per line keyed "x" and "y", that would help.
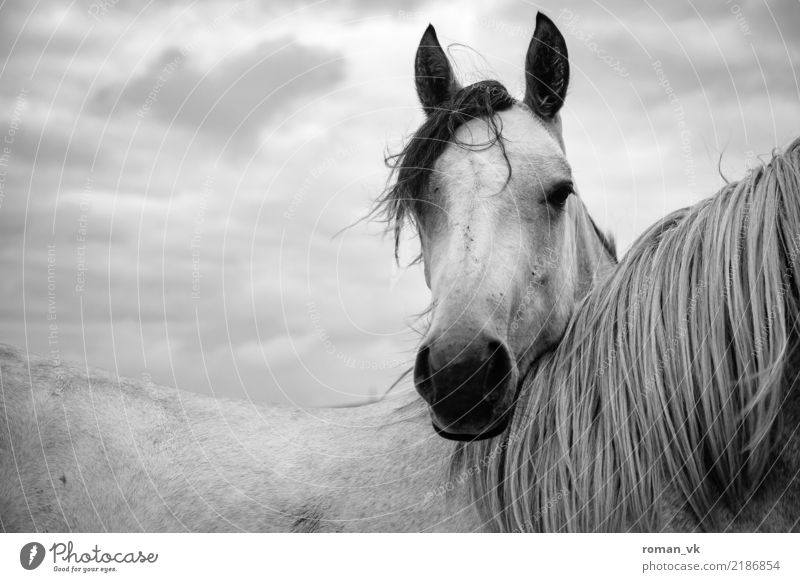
{"x": 543, "y": 19}
{"x": 430, "y": 33}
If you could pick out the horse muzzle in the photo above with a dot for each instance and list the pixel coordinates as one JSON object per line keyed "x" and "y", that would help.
{"x": 470, "y": 388}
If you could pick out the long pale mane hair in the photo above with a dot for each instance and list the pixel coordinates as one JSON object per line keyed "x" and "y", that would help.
{"x": 670, "y": 375}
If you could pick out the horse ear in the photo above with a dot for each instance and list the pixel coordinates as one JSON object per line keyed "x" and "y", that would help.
{"x": 546, "y": 69}
{"x": 434, "y": 76}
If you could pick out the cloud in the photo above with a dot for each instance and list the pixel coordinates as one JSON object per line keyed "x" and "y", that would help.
{"x": 231, "y": 99}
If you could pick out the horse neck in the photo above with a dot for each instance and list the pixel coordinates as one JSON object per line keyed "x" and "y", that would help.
{"x": 593, "y": 258}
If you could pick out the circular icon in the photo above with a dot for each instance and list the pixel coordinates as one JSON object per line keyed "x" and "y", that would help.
{"x": 31, "y": 555}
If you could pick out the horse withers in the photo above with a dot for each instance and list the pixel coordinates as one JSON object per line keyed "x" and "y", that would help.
{"x": 508, "y": 248}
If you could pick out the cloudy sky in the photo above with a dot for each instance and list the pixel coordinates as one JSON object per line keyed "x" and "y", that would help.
{"x": 173, "y": 174}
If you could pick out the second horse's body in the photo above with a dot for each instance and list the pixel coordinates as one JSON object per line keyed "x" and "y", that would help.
{"x": 104, "y": 454}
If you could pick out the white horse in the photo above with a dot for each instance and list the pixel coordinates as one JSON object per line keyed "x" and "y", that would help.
{"x": 98, "y": 453}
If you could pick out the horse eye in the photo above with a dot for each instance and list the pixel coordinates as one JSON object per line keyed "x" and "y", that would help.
{"x": 558, "y": 197}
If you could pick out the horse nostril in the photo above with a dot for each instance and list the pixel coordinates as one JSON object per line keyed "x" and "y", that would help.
{"x": 422, "y": 371}
{"x": 498, "y": 368}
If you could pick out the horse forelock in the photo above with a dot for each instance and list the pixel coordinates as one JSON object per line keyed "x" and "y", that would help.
{"x": 412, "y": 166}
{"x": 668, "y": 379}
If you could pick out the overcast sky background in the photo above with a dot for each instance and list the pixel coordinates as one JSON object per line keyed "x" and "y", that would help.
{"x": 266, "y": 136}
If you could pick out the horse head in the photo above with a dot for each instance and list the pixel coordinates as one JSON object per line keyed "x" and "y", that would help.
{"x": 508, "y": 247}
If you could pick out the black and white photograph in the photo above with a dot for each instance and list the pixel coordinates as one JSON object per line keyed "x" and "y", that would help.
{"x": 342, "y": 266}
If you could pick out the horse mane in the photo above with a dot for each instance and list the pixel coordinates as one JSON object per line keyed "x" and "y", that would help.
{"x": 670, "y": 376}
{"x": 412, "y": 166}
